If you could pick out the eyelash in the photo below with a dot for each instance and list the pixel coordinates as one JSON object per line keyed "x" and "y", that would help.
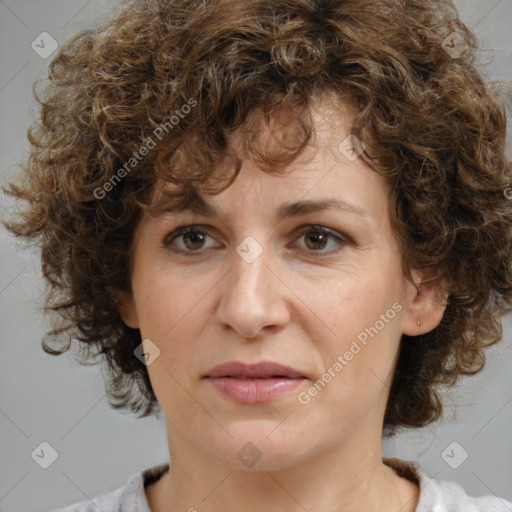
{"x": 310, "y": 228}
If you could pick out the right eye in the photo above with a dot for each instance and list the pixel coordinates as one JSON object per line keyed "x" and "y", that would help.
{"x": 192, "y": 238}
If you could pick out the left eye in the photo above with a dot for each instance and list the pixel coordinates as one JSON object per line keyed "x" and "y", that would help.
{"x": 193, "y": 239}
{"x": 318, "y": 237}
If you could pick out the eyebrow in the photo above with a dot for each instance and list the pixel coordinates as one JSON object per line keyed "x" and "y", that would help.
{"x": 285, "y": 210}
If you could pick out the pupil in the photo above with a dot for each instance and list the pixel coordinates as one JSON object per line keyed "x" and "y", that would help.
{"x": 317, "y": 236}
{"x": 191, "y": 236}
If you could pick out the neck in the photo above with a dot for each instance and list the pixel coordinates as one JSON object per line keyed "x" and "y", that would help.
{"x": 336, "y": 480}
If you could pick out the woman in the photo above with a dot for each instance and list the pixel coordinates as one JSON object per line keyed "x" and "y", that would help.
{"x": 284, "y": 224}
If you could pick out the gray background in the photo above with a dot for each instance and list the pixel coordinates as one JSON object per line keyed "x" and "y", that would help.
{"x": 54, "y": 399}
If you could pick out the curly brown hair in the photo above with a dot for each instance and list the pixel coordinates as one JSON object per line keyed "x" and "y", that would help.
{"x": 182, "y": 75}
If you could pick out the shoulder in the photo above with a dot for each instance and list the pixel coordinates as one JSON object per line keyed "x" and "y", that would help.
{"x": 109, "y": 502}
{"x": 451, "y": 497}
{"x": 443, "y": 495}
{"x": 129, "y": 498}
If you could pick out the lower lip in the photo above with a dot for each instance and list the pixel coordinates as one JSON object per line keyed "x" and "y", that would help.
{"x": 252, "y": 391}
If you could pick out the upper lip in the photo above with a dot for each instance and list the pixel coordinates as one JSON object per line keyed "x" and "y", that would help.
{"x": 263, "y": 369}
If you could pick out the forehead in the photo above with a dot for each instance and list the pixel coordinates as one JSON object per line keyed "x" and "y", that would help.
{"x": 322, "y": 177}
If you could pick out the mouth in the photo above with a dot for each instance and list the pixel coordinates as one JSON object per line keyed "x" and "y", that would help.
{"x": 263, "y": 370}
{"x": 254, "y": 383}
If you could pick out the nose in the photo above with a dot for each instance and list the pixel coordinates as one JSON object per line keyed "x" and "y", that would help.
{"x": 253, "y": 297}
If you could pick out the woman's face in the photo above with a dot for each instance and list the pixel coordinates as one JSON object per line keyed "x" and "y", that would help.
{"x": 254, "y": 285}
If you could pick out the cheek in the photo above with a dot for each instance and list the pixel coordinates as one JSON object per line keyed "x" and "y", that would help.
{"x": 170, "y": 314}
{"x": 167, "y": 303}
{"x": 351, "y": 305}
{"x": 363, "y": 317}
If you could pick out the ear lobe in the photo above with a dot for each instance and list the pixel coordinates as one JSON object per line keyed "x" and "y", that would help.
{"x": 127, "y": 309}
{"x": 426, "y": 302}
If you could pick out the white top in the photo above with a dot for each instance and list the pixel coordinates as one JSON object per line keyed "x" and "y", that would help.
{"x": 435, "y": 495}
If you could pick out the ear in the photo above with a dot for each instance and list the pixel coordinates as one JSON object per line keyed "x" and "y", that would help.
{"x": 426, "y": 301}
{"x": 127, "y": 309}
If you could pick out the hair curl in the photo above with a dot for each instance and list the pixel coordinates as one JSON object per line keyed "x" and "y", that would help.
{"x": 430, "y": 123}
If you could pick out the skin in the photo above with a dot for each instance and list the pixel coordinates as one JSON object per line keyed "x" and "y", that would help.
{"x": 289, "y": 305}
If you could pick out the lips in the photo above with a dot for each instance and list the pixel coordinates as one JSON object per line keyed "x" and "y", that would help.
{"x": 254, "y": 383}
{"x": 262, "y": 370}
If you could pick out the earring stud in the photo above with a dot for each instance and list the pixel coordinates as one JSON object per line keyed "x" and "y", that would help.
{"x": 418, "y": 323}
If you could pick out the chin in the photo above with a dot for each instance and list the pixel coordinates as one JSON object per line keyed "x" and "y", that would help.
{"x": 261, "y": 447}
